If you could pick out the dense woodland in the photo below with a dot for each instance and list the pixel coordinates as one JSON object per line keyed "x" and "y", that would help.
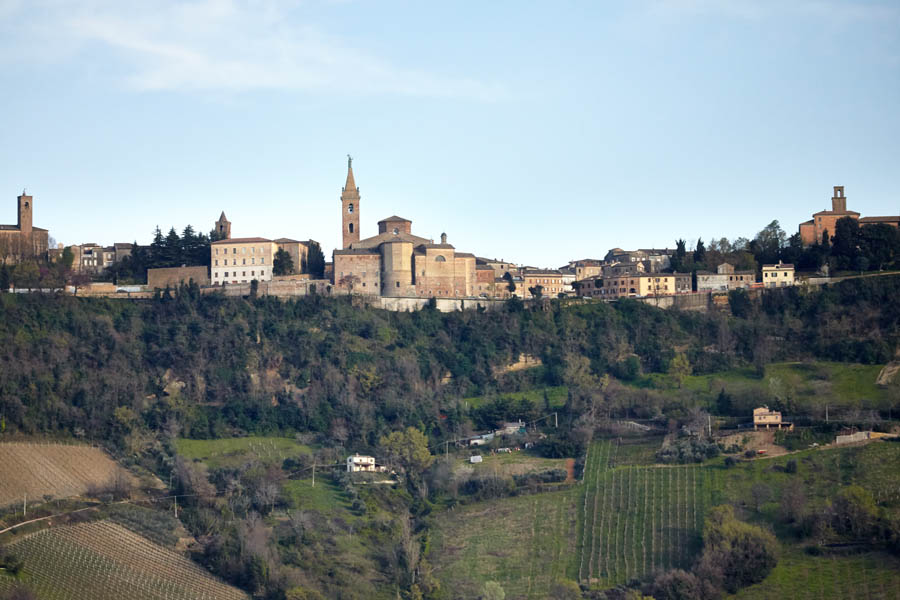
{"x": 216, "y": 366}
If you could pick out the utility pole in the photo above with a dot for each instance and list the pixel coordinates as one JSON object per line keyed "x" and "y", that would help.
{"x": 446, "y": 449}
{"x": 24, "y": 505}
{"x": 826, "y": 413}
{"x": 314, "y": 472}
{"x": 176, "y": 507}
{"x": 556, "y": 420}
{"x": 709, "y": 424}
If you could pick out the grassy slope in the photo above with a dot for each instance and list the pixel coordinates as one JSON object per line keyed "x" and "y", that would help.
{"x": 556, "y": 394}
{"x": 233, "y": 451}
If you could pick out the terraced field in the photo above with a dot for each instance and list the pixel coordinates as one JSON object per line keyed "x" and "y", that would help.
{"x": 105, "y": 561}
{"x": 60, "y": 470}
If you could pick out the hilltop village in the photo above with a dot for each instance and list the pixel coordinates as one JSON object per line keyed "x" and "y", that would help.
{"x": 398, "y": 263}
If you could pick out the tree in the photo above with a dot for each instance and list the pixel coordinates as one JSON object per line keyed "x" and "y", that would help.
{"x": 282, "y": 264}
{"x": 510, "y": 284}
{"x": 677, "y": 261}
{"x": 700, "y": 251}
{"x": 679, "y": 368}
{"x": 769, "y": 243}
{"x": 493, "y": 591}
{"x": 315, "y": 261}
{"x": 679, "y": 585}
{"x": 846, "y": 242}
{"x": 409, "y": 448}
{"x": 735, "y": 554}
{"x": 536, "y": 291}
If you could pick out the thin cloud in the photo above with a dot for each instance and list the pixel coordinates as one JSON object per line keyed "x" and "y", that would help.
{"x": 829, "y": 10}
{"x": 235, "y": 45}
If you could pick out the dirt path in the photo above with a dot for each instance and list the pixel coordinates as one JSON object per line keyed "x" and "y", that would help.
{"x": 570, "y": 470}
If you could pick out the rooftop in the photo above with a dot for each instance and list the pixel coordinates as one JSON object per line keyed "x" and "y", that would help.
{"x": 246, "y": 240}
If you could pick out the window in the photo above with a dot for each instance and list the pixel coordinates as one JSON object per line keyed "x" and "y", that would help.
{"x": 253, "y": 273}
{"x": 350, "y": 209}
{"x": 244, "y": 261}
{"x": 233, "y": 261}
{"x": 396, "y": 232}
{"x": 233, "y": 251}
{"x": 398, "y": 283}
{"x": 252, "y": 261}
{"x": 243, "y": 251}
{"x": 217, "y": 262}
{"x": 226, "y": 274}
{"x": 351, "y": 227}
{"x": 438, "y": 258}
{"x": 261, "y": 273}
{"x": 243, "y": 273}
{"x": 262, "y": 260}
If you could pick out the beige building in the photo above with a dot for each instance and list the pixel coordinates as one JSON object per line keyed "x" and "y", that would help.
{"x": 633, "y": 285}
{"x": 395, "y": 262}
{"x": 298, "y": 250}
{"x": 724, "y": 279}
{"x": 241, "y": 260}
{"x": 551, "y": 282}
{"x": 23, "y": 240}
{"x": 765, "y": 418}
{"x": 780, "y": 275}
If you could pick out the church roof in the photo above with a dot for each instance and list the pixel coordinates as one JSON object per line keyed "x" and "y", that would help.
{"x": 394, "y": 219}
{"x": 387, "y": 237}
{"x": 222, "y": 216}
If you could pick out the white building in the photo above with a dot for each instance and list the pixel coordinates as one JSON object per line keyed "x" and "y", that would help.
{"x": 359, "y": 464}
{"x": 241, "y": 260}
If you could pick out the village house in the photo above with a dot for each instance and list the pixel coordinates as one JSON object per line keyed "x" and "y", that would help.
{"x": 765, "y": 418}
{"x": 780, "y": 275}
{"x": 724, "y": 279}
{"x": 361, "y": 464}
{"x": 241, "y": 260}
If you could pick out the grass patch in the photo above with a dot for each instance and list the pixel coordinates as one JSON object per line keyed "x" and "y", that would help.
{"x": 556, "y": 395}
{"x": 326, "y": 498}
{"x": 230, "y": 452}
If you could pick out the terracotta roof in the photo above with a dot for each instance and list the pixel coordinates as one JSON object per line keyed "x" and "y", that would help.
{"x": 781, "y": 266}
{"x": 394, "y": 218}
{"x": 846, "y": 213}
{"x": 465, "y": 255}
{"x": 242, "y": 240}
{"x": 358, "y": 251}
{"x": 440, "y": 246}
{"x": 350, "y": 184}
{"x": 894, "y": 219}
{"x": 287, "y": 241}
{"x": 381, "y": 238}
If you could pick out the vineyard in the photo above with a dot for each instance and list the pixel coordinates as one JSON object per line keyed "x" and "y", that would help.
{"x": 103, "y": 560}
{"x": 59, "y": 470}
{"x": 870, "y": 576}
{"x": 637, "y": 520}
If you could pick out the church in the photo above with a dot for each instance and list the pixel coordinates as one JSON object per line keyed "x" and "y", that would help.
{"x": 23, "y": 240}
{"x": 395, "y": 262}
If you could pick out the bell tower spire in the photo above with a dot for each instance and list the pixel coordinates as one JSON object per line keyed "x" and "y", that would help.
{"x": 349, "y": 208}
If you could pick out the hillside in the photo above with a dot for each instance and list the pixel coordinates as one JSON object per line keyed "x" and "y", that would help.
{"x": 105, "y": 561}
{"x": 33, "y": 470}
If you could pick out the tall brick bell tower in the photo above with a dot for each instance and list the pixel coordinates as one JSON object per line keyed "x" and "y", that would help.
{"x": 349, "y": 208}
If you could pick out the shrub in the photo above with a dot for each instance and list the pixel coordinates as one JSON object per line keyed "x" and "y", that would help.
{"x": 687, "y": 450}
{"x": 735, "y": 554}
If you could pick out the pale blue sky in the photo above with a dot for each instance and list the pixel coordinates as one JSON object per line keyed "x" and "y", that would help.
{"x": 535, "y": 132}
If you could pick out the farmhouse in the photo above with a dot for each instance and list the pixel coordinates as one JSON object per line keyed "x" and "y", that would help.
{"x": 763, "y": 417}
{"x": 358, "y": 464}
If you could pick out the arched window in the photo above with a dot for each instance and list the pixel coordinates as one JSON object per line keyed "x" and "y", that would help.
{"x": 350, "y": 208}
{"x": 396, "y": 231}
{"x": 439, "y": 258}
{"x": 351, "y": 227}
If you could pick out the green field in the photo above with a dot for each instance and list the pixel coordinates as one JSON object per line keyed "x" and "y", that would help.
{"x": 524, "y": 543}
{"x": 557, "y": 395}
{"x": 229, "y": 452}
{"x": 873, "y": 575}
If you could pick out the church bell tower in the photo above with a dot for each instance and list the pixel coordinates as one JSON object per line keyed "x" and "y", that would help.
{"x": 349, "y": 208}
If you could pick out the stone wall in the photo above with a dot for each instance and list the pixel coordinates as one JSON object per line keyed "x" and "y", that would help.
{"x": 173, "y": 277}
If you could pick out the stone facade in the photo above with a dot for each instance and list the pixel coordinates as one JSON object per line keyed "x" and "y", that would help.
{"x": 23, "y": 240}
{"x": 173, "y": 277}
{"x": 724, "y": 279}
{"x": 395, "y": 262}
{"x": 298, "y": 250}
{"x": 241, "y": 260}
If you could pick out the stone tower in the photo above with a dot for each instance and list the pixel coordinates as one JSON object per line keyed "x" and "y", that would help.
{"x": 839, "y": 201}
{"x": 26, "y": 209}
{"x": 349, "y": 208}
{"x": 223, "y": 227}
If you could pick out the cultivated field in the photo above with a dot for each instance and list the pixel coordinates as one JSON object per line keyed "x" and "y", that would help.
{"x": 59, "y": 470}
{"x": 525, "y": 544}
{"x": 637, "y": 520}
{"x": 231, "y": 452}
{"x": 105, "y": 561}
{"x": 870, "y": 576}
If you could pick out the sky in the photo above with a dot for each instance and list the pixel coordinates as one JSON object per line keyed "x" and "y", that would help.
{"x": 535, "y": 132}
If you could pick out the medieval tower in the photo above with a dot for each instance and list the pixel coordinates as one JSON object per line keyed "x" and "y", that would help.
{"x": 349, "y": 209}
{"x": 25, "y": 214}
{"x": 223, "y": 227}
